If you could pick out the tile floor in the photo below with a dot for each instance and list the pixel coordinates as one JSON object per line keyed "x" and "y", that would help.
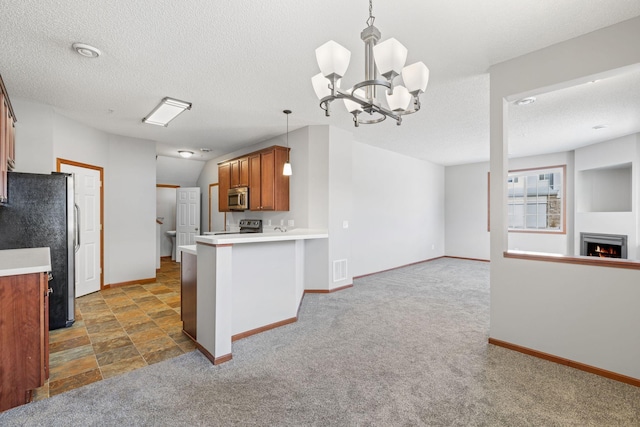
{"x": 116, "y": 331}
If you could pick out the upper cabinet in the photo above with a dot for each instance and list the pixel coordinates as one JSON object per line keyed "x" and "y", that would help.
{"x": 239, "y": 172}
{"x": 261, "y": 171}
{"x": 7, "y": 140}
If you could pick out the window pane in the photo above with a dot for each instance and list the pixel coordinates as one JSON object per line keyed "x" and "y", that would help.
{"x": 535, "y": 199}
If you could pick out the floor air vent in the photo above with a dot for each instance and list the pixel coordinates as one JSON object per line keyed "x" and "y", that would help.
{"x": 339, "y": 270}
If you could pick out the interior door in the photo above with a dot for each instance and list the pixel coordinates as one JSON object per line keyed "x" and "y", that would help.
{"x": 187, "y": 216}
{"x": 87, "y": 192}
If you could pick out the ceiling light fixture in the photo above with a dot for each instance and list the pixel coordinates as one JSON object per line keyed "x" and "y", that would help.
{"x": 86, "y": 50}
{"x": 167, "y": 110}
{"x": 185, "y": 154}
{"x": 387, "y": 57}
{"x": 286, "y": 170}
{"x": 526, "y": 101}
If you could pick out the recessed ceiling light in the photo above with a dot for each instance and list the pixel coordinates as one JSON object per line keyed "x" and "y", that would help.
{"x": 86, "y": 50}
{"x": 186, "y": 154}
{"x": 598, "y": 127}
{"x": 526, "y": 101}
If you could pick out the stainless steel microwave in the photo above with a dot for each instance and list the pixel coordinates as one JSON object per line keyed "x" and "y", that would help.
{"x": 238, "y": 198}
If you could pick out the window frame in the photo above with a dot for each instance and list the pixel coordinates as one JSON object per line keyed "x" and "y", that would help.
{"x": 563, "y": 192}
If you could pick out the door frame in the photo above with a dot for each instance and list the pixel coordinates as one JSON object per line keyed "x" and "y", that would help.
{"x": 59, "y": 163}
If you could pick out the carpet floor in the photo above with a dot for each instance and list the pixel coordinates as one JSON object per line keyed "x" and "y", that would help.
{"x": 405, "y": 347}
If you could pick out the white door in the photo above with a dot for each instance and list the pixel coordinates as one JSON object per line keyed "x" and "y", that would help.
{"x": 187, "y": 216}
{"x": 87, "y": 191}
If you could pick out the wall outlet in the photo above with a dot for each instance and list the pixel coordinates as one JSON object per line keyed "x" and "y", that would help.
{"x": 433, "y": 247}
{"x": 282, "y": 222}
{"x": 345, "y": 224}
{"x": 269, "y": 222}
{"x": 290, "y": 223}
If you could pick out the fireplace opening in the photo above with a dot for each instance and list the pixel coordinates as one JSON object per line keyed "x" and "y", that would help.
{"x": 603, "y": 245}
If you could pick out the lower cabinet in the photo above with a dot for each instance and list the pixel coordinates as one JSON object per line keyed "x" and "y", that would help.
{"x": 188, "y": 282}
{"x": 24, "y": 337}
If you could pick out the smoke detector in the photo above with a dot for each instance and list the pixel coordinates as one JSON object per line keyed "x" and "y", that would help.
{"x": 86, "y": 50}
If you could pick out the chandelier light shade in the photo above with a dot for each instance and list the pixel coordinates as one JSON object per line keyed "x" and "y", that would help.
{"x": 333, "y": 59}
{"x": 400, "y": 99}
{"x": 416, "y": 78}
{"x": 387, "y": 58}
{"x": 351, "y": 105}
{"x": 390, "y": 56}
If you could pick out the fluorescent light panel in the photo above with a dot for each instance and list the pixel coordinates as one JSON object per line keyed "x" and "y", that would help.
{"x": 166, "y": 111}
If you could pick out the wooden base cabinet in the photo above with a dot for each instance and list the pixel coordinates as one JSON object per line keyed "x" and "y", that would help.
{"x": 24, "y": 337}
{"x": 188, "y": 289}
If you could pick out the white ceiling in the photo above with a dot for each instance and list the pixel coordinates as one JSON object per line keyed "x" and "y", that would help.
{"x": 241, "y": 62}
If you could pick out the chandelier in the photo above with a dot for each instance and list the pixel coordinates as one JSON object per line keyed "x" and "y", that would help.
{"x": 388, "y": 58}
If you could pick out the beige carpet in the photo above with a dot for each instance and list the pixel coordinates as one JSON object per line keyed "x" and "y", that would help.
{"x": 405, "y": 347}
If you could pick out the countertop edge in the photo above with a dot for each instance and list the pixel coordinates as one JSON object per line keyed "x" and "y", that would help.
{"x": 263, "y": 237}
{"x": 14, "y": 262}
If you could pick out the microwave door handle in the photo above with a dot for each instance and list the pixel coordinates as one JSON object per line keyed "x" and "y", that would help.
{"x": 241, "y": 199}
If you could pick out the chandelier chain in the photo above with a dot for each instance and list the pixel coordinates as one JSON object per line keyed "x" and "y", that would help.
{"x": 372, "y": 18}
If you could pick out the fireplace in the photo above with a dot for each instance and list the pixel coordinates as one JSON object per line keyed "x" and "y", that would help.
{"x": 603, "y": 245}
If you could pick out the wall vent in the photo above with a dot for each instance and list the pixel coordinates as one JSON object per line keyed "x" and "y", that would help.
{"x": 339, "y": 270}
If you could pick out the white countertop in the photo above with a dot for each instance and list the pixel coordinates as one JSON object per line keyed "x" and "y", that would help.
{"x": 271, "y": 236}
{"x": 24, "y": 261}
{"x": 190, "y": 249}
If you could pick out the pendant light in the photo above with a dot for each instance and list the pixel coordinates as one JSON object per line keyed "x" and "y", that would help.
{"x": 286, "y": 170}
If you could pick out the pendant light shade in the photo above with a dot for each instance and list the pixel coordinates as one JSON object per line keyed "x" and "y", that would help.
{"x": 390, "y": 56}
{"x": 286, "y": 171}
{"x": 400, "y": 100}
{"x": 416, "y": 78}
{"x": 333, "y": 59}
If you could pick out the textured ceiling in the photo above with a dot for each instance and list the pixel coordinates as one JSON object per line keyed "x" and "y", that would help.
{"x": 242, "y": 62}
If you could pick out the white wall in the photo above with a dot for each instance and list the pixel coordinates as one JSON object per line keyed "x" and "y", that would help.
{"x": 42, "y": 135}
{"x": 582, "y": 313}
{"x": 398, "y": 210}
{"x": 467, "y": 211}
{"x": 589, "y": 217}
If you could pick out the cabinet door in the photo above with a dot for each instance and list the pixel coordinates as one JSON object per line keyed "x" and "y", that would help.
{"x": 234, "y": 173}
{"x": 224, "y": 183}
{"x": 267, "y": 180}
{"x": 255, "y": 199}
{"x": 23, "y": 337}
{"x": 243, "y": 166}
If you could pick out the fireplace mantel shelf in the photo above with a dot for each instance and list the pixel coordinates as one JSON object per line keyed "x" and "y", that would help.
{"x": 568, "y": 259}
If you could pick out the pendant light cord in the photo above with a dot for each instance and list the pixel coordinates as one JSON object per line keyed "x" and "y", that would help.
{"x": 372, "y": 18}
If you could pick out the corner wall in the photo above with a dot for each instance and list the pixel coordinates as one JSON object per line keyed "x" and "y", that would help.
{"x": 583, "y": 313}
{"x": 42, "y": 135}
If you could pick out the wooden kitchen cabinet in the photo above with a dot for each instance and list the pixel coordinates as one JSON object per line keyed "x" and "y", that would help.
{"x": 24, "y": 337}
{"x": 224, "y": 184}
{"x": 261, "y": 171}
{"x": 7, "y": 140}
{"x": 268, "y": 187}
{"x": 239, "y": 172}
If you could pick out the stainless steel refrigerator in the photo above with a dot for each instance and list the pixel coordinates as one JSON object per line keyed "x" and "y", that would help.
{"x": 41, "y": 212}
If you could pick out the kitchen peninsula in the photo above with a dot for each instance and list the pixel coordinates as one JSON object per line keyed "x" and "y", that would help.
{"x": 248, "y": 283}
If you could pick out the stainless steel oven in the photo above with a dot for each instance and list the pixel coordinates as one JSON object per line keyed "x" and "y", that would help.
{"x": 238, "y": 198}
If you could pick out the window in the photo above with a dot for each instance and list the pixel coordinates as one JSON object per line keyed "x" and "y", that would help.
{"x": 536, "y": 199}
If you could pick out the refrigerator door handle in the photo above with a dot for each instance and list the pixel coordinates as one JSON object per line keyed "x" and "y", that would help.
{"x": 76, "y": 211}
